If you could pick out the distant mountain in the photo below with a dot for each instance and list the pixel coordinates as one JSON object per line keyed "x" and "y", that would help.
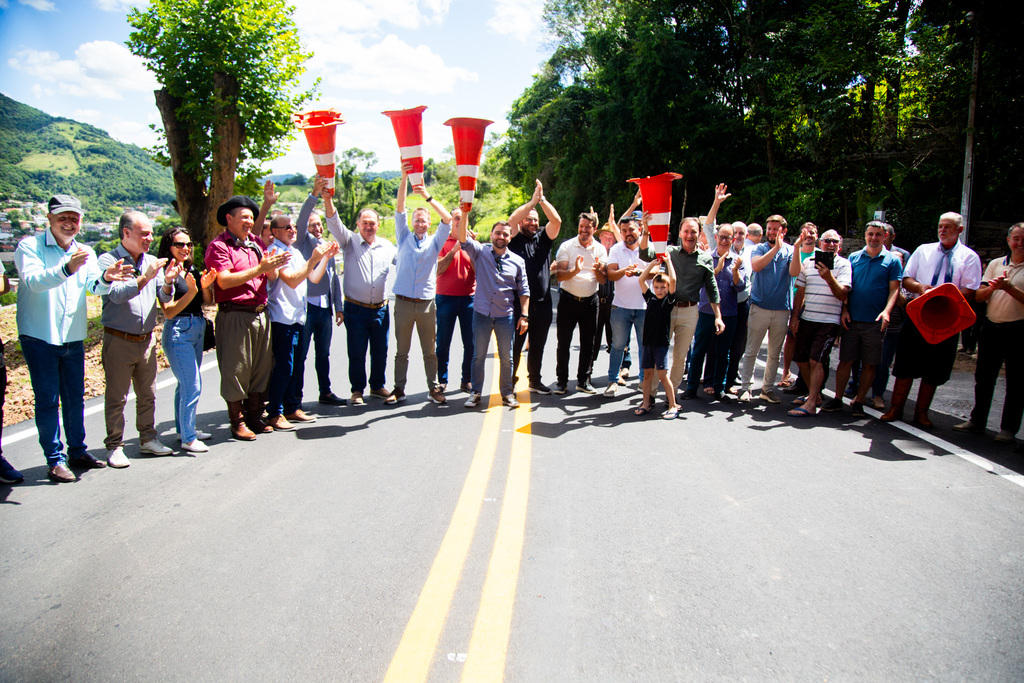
{"x": 41, "y": 155}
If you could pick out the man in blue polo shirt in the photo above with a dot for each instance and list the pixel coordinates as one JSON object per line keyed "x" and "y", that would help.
{"x": 876, "y": 284}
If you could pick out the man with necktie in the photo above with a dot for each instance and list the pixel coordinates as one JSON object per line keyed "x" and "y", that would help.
{"x": 929, "y": 266}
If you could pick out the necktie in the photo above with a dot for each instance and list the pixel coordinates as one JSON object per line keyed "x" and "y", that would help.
{"x": 947, "y": 259}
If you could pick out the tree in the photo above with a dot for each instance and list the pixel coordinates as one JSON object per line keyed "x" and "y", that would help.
{"x": 228, "y": 70}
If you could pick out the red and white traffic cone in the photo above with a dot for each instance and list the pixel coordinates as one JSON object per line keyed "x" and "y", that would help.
{"x": 656, "y": 196}
{"x": 320, "y": 127}
{"x": 468, "y": 136}
{"x": 408, "y": 125}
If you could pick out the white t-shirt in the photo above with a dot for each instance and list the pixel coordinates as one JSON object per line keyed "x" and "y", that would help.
{"x": 584, "y": 283}
{"x": 627, "y": 289}
{"x": 287, "y": 305}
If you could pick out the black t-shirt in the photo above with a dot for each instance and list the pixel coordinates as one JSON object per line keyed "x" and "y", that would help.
{"x": 536, "y": 251}
{"x": 194, "y": 307}
{"x": 658, "y": 319}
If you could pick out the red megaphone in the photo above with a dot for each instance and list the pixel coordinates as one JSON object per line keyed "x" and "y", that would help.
{"x": 320, "y": 127}
{"x": 408, "y": 125}
{"x": 940, "y": 313}
{"x": 656, "y": 195}
{"x": 468, "y": 135}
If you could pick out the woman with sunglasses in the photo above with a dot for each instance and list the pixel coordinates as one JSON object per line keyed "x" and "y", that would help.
{"x": 184, "y": 330}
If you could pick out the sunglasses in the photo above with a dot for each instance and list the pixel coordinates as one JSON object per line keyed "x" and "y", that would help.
{"x": 183, "y": 245}
{"x": 830, "y": 241}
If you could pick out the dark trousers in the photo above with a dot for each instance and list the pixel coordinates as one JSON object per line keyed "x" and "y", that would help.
{"x": 573, "y": 312}
{"x": 739, "y": 344}
{"x": 449, "y": 310}
{"x": 366, "y": 328}
{"x": 282, "y": 391}
{"x": 604, "y": 329}
{"x": 999, "y": 343}
{"x": 319, "y": 329}
{"x": 537, "y": 332}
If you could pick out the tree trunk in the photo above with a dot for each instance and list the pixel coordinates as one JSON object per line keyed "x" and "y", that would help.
{"x": 227, "y": 133}
{"x": 193, "y": 202}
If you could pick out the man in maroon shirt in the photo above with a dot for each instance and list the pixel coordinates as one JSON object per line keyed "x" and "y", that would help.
{"x": 243, "y": 324}
{"x": 456, "y": 283}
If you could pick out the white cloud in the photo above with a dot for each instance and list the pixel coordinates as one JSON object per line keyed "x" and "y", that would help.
{"x": 394, "y": 67}
{"x": 317, "y": 20}
{"x": 41, "y": 5}
{"x": 119, "y": 6}
{"x": 520, "y": 19}
{"x": 101, "y": 69}
{"x": 131, "y": 132}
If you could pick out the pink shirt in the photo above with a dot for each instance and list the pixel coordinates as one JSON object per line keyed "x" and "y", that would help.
{"x": 226, "y": 252}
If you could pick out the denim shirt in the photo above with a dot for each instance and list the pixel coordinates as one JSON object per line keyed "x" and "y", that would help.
{"x": 51, "y": 303}
{"x": 416, "y": 262}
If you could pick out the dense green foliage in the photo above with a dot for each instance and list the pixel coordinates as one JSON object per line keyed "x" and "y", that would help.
{"x": 819, "y": 111}
{"x": 41, "y": 155}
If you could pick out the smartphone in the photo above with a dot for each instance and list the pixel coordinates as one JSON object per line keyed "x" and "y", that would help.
{"x": 825, "y": 258}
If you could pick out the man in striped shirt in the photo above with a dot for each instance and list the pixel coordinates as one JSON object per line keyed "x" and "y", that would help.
{"x": 821, "y": 289}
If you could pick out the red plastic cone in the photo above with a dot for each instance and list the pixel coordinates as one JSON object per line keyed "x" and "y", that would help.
{"x": 940, "y": 313}
{"x": 468, "y": 135}
{"x": 656, "y": 196}
{"x": 408, "y": 125}
{"x": 320, "y": 128}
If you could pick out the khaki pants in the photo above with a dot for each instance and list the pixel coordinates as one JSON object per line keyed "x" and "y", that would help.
{"x": 423, "y": 317}
{"x": 684, "y": 323}
{"x": 243, "y": 353}
{"x": 763, "y": 321}
{"x": 127, "y": 364}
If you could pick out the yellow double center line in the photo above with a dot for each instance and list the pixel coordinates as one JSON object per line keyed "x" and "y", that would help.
{"x": 485, "y": 658}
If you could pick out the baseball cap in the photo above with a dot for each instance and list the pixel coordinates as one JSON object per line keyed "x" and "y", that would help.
{"x": 61, "y": 203}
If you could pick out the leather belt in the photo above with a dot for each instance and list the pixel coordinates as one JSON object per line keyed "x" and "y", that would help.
{"x": 229, "y": 307}
{"x": 374, "y": 307}
{"x": 126, "y": 336}
{"x": 584, "y": 299}
{"x": 685, "y": 304}
{"x": 411, "y": 300}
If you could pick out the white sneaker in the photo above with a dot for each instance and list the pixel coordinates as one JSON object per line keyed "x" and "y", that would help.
{"x": 473, "y": 401}
{"x": 745, "y": 397}
{"x": 200, "y": 434}
{"x": 611, "y": 389}
{"x": 154, "y": 447}
{"x": 117, "y": 458}
{"x": 196, "y": 446}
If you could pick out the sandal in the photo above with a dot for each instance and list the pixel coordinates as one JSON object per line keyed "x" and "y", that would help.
{"x": 786, "y": 382}
{"x": 641, "y": 411}
{"x": 670, "y": 414}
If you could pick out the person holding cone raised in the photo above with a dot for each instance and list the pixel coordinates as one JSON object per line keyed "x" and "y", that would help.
{"x": 415, "y": 283}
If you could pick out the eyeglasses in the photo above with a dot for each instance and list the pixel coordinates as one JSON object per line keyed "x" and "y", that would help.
{"x": 830, "y": 241}
{"x": 183, "y": 245}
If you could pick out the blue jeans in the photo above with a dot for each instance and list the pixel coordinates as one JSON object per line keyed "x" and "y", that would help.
{"x": 503, "y": 330}
{"x": 58, "y": 379}
{"x": 183, "y": 346}
{"x": 319, "y": 328}
{"x": 704, "y": 338}
{"x": 284, "y": 342}
{"x": 366, "y": 327}
{"x": 449, "y": 310}
{"x": 622, "y": 320}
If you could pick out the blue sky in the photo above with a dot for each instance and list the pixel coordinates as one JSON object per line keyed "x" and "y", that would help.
{"x": 458, "y": 57}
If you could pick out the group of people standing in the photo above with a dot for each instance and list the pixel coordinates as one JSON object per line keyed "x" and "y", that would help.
{"x": 710, "y": 301}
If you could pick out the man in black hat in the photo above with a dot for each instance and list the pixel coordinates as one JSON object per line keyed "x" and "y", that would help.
{"x": 243, "y": 324}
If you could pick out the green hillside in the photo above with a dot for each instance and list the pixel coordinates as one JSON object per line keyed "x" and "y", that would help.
{"x": 41, "y": 155}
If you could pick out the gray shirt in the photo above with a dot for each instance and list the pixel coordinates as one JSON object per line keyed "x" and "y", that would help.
{"x": 126, "y": 307}
{"x": 327, "y": 292}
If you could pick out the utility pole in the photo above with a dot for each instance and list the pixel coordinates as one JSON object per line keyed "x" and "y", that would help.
{"x": 965, "y": 199}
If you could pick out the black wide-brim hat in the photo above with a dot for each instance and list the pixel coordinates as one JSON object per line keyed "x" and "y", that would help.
{"x": 239, "y": 201}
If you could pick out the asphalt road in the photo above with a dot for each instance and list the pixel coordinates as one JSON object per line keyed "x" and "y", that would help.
{"x": 564, "y": 541}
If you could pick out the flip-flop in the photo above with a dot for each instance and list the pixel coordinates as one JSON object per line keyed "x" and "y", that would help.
{"x": 800, "y": 412}
{"x": 670, "y": 414}
{"x": 641, "y": 411}
{"x": 786, "y": 383}
{"x": 709, "y": 391}
{"x": 799, "y": 401}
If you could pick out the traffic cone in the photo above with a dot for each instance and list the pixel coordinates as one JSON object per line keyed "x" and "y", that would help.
{"x": 656, "y": 196}
{"x": 408, "y": 125}
{"x": 940, "y": 313}
{"x": 320, "y": 128}
{"x": 468, "y": 135}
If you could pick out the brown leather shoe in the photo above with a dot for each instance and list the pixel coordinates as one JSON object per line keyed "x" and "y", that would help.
{"x": 60, "y": 473}
{"x": 379, "y": 393}
{"x": 437, "y": 396}
{"x": 279, "y": 423}
{"x": 254, "y": 415}
{"x": 356, "y": 399}
{"x": 394, "y": 397}
{"x": 299, "y": 416}
{"x": 238, "y": 428}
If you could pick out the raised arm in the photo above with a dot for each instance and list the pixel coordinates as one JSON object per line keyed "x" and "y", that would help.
{"x": 269, "y": 199}
{"x": 302, "y": 224}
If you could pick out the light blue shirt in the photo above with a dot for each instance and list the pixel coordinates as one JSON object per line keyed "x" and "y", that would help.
{"x": 417, "y": 259}
{"x": 499, "y": 279}
{"x": 772, "y": 287}
{"x": 51, "y": 303}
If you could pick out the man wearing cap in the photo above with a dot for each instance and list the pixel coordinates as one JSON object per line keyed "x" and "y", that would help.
{"x": 56, "y": 271}
{"x": 242, "y": 326}
{"x": 129, "y": 350}
{"x": 368, "y": 257}
{"x": 415, "y": 284}
{"x": 929, "y": 266}
{"x": 533, "y": 245}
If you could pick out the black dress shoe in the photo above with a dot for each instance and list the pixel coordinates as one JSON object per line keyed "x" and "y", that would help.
{"x": 329, "y": 399}
{"x": 687, "y": 395}
{"x": 86, "y": 462}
